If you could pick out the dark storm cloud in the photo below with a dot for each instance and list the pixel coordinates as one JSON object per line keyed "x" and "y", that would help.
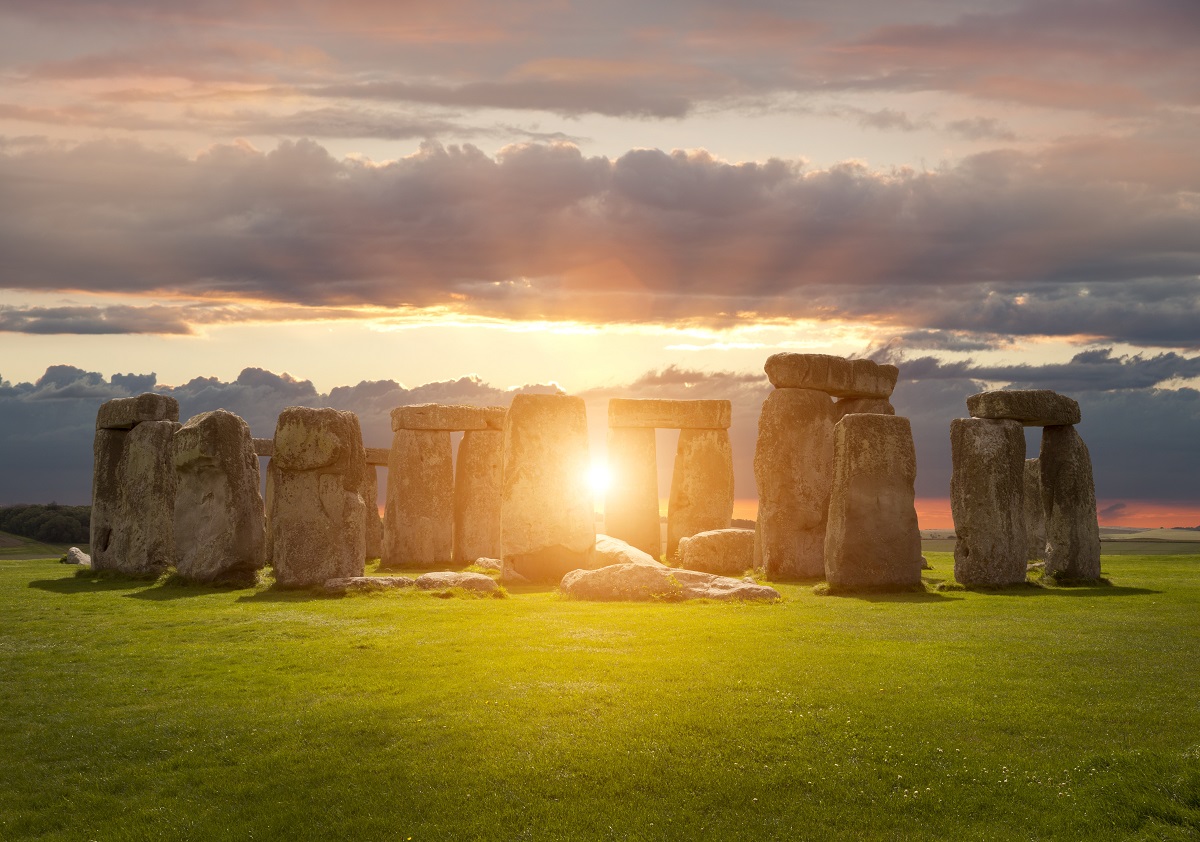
{"x": 1003, "y": 243}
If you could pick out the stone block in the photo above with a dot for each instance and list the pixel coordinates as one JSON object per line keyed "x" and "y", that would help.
{"x": 1030, "y": 407}
{"x": 701, "y": 485}
{"x": 455, "y": 418}
{"x": 987, "y": 490}
{"x": 1069, "y": 503}
{"x": 670, "y": 414}
{"x": 127, "y": 413}
{"x": 419, "y": 512}
{"x": 834, "y": 376}
{"x": 1035, "y": 517}
{"x": 870, "y": 406}
{"x": 725, "y": 552}
{"x": 478, "y": 487}
{"x": 872, "y": 541}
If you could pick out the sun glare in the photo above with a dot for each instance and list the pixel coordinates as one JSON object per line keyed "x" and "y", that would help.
{"x": 599, "y": 478}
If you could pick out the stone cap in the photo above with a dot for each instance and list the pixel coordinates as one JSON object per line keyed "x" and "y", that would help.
{"x": 126, "y": 413}
{"x": 378, "y": 456}
{"x": 436, "y": 416}
{"x": 308, "y": 439}
{"x": 836, "y": 376}
{"x": 218, "y": 437}
{"x": 1032, "y": 407}
{"x": 670, "y": 414}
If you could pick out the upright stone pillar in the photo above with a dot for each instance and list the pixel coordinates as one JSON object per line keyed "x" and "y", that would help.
{"x": 547, "y": 515}
{"x": 701, "y": 485}
{"x": 317, "y": 509}
{"x": 1069, "y": 500}
{"x": 872, "y": 540}
{"x": 793, "y": 466}
{"x": 987, "y": 489}
{"x": 631, "y": 502}
{"x": 419, "y": 513}
{"x": 373, "y": 524}
{"x": 218, "y": 509}
{"x": 133, "y": 485}
{"x": 1035, "y": 517}
{"x": 478, "y": 477}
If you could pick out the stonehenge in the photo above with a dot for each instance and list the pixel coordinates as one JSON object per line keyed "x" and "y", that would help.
{"x": 794, "y": 461}
{"x": 133, "y": 485}
{"x": 701, "y": 495}
{"x": 1008, "y": 510}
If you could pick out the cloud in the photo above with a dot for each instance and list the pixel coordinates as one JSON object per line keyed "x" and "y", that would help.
{"x": 541, "y": 231}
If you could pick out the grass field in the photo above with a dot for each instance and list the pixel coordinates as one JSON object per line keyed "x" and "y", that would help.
{"x": 136, "y": 711}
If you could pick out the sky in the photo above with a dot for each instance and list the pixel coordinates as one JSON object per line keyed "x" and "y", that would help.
{"x": 391, "y": 201}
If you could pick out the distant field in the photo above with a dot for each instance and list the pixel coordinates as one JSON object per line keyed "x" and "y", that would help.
{"x": 138, "y": 710}
{"x": 14, "y": 547}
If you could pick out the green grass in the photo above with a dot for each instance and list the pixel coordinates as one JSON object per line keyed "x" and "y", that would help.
{"x": 135, "y": 711}
{"x": 17, "y": 547}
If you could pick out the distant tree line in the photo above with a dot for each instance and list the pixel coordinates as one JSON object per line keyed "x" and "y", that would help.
{"x": 49, "y": 523}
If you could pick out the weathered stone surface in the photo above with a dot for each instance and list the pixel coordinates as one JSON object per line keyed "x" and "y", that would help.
{"x": 835, "y": 376}
{"x": 987, "y": 489}
{"x": 316, "y": 509}
{"x": 478, "y": 475}
{"x": 1031, "y": 407}
{"x": 609, "y": 550}
{"x": 670, "y": 414}
{"x": 641, "y": 582}
{"x": 489, "y": 563}
{"x": 631, "y": 502}
{"x": 126, "y": 413}
{"x": 367, "y": 584}
{"x": 872, "y": 540}
{"x": 444, "y": 580}
{"x": 1069, "y": 502}
{"x": 372, "y": 522}
{"x": 434, "y": 416}
{"x": 726, "y": 552}
{"x": 418, "y": 528}
{"x": 264, "y": 447}
{"x": 793, "y": 466}
{"x": 378, "y": 456}
{"x": 547, "y": 521}
{"x": 133, "y": 499}
{"x": 218, "y": 521}
{"x": 77, "y": 556}
{"x": 1035, "y": 517}
{"x": 701, "y": 486}
{"x": 855, "y": 406}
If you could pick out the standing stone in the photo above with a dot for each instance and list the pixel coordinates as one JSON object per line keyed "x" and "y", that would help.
{"x": 134, "y": 481}
{"x": 373, "y": 524}
{"x": 218, "y": 509}
{"x": 701, "y": 486}
{"x": 853, "y": 406}
{"x": 793, "y": 465}
{"x": 987, "y": 489}
{"x": 317, "y": 509}
{"x": 478, "y": 475}
{"x": 873, "y": 541}
{"x": 419, "y": 513}
{"x": 1069, "y": 501}
{"x": 631, "y": 502}
{"x": 547, "y": 511}
{"x": 1035, "y": 517}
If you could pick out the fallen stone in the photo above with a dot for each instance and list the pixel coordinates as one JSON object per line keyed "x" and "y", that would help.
{"x": 835, "y": 376}
{"x": 793, "y": 466}
{"x": 367, "y": 584}
{"x": 77, "y": 556}
{"x": 478, "y": 475}
{"x": 445, "y": 580}
{"x": 127, "y": 413}
{"x": 434, "y": 416}
{"x": 418, "y": 526}
{"x": 670, "y": 414}
{"x": 133, "y": 499}
{"x": 509, "y": 576}
{"x": 873, "y": 541}
{"x": 218, "y": 521}
{"x": 1035, "y": 517}
{"x": 316, "y": 510}
{"x": 641, "y": 582}
{"x": 869, "y": 406}
{"x": 489, "y": 563}
{"x": 1030, "y": 407}
{"x": 609, "y": 550}
{"x": 726, "y": 552}
{"x": 1069, "y": 501}
{"x": 701, "y": 486}
{"x": 631, "y": 501}
{"x": 548, "y": 523}
{"x": 987, "y": 488}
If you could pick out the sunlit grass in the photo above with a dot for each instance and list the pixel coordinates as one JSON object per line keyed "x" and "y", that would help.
{"x": 136, "y": 710}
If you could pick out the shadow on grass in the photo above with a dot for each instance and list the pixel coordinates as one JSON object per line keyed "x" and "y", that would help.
{"x": 89, "y": 584}
{"x": 1068, "y": 590}
{"x": 929, "y": 597}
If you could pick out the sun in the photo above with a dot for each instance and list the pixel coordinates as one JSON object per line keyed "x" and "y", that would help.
{"x": 599, "y": 478}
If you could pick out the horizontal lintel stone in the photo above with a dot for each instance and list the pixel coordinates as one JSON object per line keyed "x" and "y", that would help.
{"x": 670, "y": 414}
{"x": 1031, "y": 407}
{"x": 126, "y": 413}
{"x": 378, "y": 455}
{"x": 453, "y": 418}
{"x": 836, "y": 376}
{"x": 264, "y": 447}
